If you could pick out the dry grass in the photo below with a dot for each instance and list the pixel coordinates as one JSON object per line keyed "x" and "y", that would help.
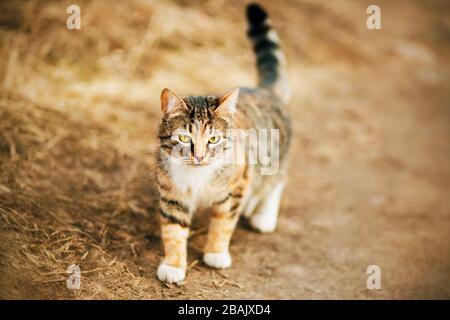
{"x": 78, "y": 114}
{"x": 78, "y": 118}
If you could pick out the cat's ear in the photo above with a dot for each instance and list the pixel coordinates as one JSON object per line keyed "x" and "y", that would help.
{"x": 170, "y": 101}
{"x": 228, "y": 102}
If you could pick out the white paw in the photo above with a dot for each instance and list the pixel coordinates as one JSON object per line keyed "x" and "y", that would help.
{"x": 218, "y": 260}
{"x": 169, "y": 274}
{"x": 263, "y": 222}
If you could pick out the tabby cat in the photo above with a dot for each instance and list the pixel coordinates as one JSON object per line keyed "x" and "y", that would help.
{"x": 192, "y": 173}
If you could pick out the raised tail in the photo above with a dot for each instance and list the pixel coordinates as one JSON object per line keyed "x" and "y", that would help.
{"x": 270, "y": 59}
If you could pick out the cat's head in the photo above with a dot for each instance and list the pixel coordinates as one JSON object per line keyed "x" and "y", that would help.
{"x": 194, "y": 129}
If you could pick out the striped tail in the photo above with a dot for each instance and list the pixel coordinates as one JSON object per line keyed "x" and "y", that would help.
{"x": 270, "y": 59}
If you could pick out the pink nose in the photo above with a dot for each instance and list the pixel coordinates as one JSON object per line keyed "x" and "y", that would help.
{"x": 199, "y": 158}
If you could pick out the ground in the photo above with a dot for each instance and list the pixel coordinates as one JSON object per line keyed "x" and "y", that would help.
{"x": 369, "y": 178}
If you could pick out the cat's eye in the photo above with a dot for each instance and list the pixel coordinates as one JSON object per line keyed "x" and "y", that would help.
{"x": 214, "y": 139}
{"x": 184, "y": 138}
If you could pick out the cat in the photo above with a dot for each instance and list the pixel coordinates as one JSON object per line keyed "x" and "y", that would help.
{"x": 192, "y": 171}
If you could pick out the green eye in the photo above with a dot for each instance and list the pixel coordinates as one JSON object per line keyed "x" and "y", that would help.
{"x": 214, "y": 139}
{"x": 184, "y": 138}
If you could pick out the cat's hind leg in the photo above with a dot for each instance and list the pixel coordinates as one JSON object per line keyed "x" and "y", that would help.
{"x": 266, "y": 214}
{"x": 250, "y": 206}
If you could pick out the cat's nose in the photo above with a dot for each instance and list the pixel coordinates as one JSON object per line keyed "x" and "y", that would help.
{"x": 199, "y": 158}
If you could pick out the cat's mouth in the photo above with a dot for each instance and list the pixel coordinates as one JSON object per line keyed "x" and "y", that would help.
{"x": 193, "y": 163}
{"x": 198, "y": 165}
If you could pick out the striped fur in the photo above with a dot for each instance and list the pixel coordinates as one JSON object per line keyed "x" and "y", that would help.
{"x": 270, "y": 59}
{"x": 192, "y": 175}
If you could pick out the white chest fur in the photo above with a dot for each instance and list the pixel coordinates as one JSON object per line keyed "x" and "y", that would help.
{"x": 194, "y": 182}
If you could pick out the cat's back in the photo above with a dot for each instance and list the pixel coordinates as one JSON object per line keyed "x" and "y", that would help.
{"x": 260, "y": 109}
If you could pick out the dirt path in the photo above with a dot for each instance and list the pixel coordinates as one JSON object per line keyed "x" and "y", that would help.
{"x": 370, "y": 175}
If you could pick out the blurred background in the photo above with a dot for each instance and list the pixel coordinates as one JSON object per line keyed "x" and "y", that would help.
{"x": 370, "y": 175}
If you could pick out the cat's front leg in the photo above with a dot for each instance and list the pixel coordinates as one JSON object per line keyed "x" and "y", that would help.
{"x": 173, "y": 267}
{"x": 224, "y": 216}
{"x": 216, "y": 253}
{"x": 174, "y": 234}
